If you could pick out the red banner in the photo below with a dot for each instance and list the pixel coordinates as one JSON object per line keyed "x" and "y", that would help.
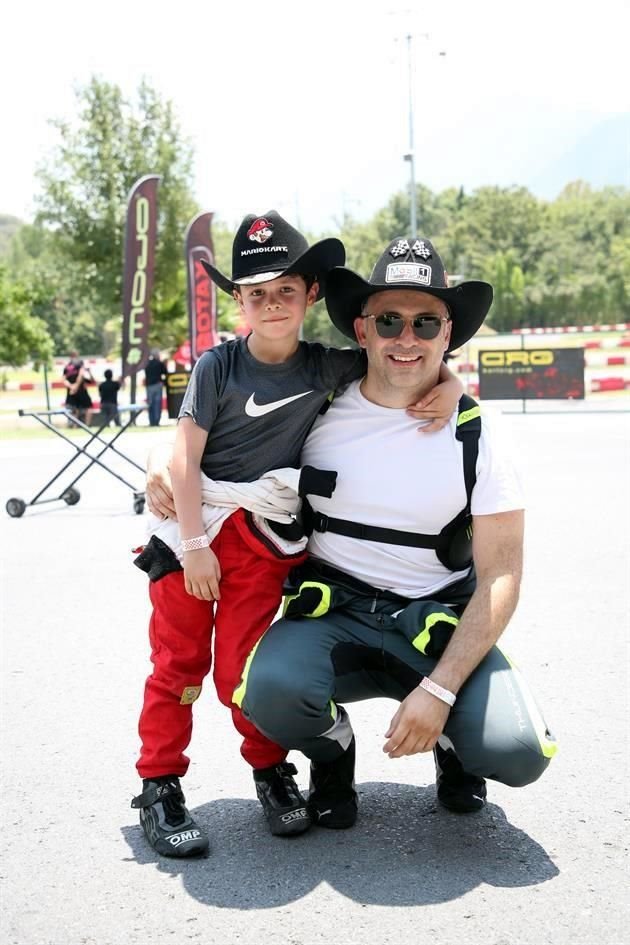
{"x": 202, "y": 293}
{"x": 140, "y": 237}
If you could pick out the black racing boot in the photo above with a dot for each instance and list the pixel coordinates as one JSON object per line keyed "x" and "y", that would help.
{"x": 458, "y": 791}
{"x": 284, "y": 806}
{"x": 166, "y": 822}
{"x": 333, "y": 801}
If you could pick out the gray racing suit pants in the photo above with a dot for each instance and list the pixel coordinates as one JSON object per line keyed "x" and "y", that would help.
{"x": 372, "y": 647}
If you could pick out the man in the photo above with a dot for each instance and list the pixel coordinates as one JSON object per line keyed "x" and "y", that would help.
{"x": 154, "y": 378}
{"x": 392, "y": 603}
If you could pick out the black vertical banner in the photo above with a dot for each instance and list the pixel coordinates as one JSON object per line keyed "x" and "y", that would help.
{"x": 202, "y": 293}
{"x": 140, "y": 238}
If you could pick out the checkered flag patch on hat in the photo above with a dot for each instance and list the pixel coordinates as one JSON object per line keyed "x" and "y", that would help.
{"x": 401, "y": 248}
{"x": 420, "y": 248}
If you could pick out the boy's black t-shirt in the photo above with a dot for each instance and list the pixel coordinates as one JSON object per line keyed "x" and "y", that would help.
{"x": 257, "y": 414}
{"x": 108, "y": 391}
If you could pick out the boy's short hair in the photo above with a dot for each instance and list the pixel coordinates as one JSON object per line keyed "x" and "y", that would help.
{"x": 108, "y": 375}
{"x": 309, "y": 281}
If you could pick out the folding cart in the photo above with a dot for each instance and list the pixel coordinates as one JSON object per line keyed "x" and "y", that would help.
{"x": 70, "y": 495}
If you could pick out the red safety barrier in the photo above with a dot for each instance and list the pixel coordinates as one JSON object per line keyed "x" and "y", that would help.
{"x": 616, "y": 359}
{"x": 620, "y": 326}
{"x": 26, "y": 386}
{"x": 592, "y": 344}
{"x": 624, "y": 343}
{"x": 600, "y": 384}
{"x": 466, "y": 368}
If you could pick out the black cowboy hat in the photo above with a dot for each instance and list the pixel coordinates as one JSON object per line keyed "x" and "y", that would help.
{"x": 408, "y": 264}
{"x": 266, "y": 247}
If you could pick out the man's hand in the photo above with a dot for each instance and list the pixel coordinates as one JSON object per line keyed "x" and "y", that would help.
{"x": 417, "y": 724}
{"x": 159, "y": 488}
{"x": 202, "y": 574}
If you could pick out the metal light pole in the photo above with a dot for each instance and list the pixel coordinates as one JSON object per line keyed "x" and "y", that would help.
{"x": 410, "y": 155}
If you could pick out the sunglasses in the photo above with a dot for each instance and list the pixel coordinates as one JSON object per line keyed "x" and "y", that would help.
{"x": 390, "y": 325}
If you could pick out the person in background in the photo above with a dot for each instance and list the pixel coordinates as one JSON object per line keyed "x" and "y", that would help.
{"x": 76, "y": 376}
{"x": 154, "y": 378}
{"x": 108, "y": 391}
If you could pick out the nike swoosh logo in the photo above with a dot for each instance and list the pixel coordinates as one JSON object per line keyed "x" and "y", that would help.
{"x": 252, "y": 409}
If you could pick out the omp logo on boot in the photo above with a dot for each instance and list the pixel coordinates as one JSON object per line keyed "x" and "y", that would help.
{"x": 176, "y": 839}
{"x": 294, "y": 815}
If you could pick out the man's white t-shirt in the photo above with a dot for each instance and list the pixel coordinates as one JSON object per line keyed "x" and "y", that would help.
{"x": 392, "y": 476}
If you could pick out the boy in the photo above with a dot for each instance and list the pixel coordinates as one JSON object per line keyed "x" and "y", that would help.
{"x": 247, "y": 409}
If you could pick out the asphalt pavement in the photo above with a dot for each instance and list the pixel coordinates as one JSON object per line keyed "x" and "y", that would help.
{"x": 543, "y": 864}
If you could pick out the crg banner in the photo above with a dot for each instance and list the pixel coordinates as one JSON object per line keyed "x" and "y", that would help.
{"x": 202, "y": 294}
{"x": 140, "y": 237}
{"x": 537, "y": 373}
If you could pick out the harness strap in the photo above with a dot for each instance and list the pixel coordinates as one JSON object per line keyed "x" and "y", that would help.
{"x": 468, "y": 432}
{"x": 390, "y": 536}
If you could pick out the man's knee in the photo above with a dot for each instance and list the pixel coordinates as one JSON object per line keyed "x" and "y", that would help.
{"x": 271, "y": 694}
{"x": 520, "y": 763}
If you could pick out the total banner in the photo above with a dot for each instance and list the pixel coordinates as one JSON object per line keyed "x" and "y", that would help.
{"x": 202, "y": 294}
{"x": 535, "y": 373}
{"x": 140, "y": 239}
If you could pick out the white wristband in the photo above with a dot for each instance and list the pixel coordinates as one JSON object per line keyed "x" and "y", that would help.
{"x": 193, "y": 544}
{"x": 438, "y": 691}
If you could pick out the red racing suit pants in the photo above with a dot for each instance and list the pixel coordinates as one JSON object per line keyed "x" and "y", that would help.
{"x": 180, "y": 633}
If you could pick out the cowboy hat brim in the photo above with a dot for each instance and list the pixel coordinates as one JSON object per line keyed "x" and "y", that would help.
{"x": 469, "y": 303}
{"x": 317, "y": 261}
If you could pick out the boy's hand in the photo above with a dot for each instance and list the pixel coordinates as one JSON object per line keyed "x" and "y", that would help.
{"x": 159, "y": 489}
{"x": 439, "y": 404}
{"x": 202, "y": 574}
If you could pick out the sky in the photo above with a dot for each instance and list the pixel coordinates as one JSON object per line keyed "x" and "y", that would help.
{"x": 305, "y": 107}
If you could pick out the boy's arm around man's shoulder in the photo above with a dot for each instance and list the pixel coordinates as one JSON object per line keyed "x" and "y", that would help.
{"x": 439, "y": 405}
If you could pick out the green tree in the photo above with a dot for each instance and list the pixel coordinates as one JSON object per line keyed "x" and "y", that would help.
{"x": 503, "y": 272}
{"x": 57, "y": 291}
{"x": 84, "y": 189}
{"x": 23, "y": 337}
{"x": 574, "y": 278}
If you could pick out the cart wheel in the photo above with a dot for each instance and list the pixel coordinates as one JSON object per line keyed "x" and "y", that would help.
{"x": 71, "y": 496}
{"x": 138, "y": 506}
{"x": 16, "y": 507}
